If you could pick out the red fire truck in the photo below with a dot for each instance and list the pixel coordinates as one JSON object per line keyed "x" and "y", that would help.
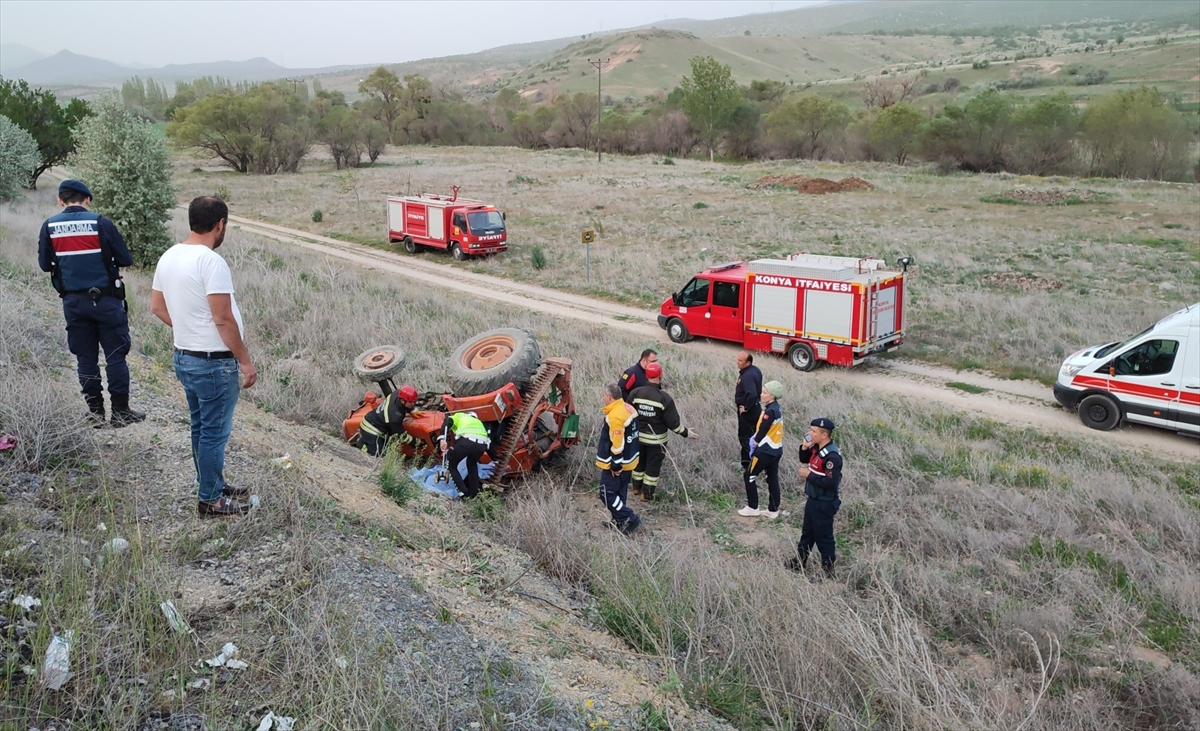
{"x": 811, "y": 308}
{"x": 465, "y": 227}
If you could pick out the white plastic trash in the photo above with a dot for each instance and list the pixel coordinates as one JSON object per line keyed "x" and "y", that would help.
{"x": 26, "y": 602}
{"x": 174, "y": 618}
{"x": 271, "y": 722}
{"x": 118, "y": 545}
{"x": 57, "y": 670}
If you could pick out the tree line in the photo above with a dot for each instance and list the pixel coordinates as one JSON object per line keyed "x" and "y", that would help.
{"x": 268, "y": 128}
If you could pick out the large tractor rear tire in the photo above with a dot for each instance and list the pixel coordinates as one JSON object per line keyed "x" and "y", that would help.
{"x": 379, "y": 363}
{"x": 489, "y": 360}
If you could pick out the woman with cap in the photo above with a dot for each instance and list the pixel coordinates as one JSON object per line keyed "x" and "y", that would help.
{"x": 766, "y": 449}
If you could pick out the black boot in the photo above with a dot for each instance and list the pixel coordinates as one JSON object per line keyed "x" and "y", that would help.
{"x": 827, "y": 567}
{"x": 648, "y": 493}
{"x": 122, "y": 414}
{"x": 95, "y": 411}
{"x": 799, "y": 562}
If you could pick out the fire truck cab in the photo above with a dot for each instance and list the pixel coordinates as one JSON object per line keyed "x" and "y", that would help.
{"x": 1152, "y": 378}
{"x": 464, "y": 227}
{"x": 811, "y": 308}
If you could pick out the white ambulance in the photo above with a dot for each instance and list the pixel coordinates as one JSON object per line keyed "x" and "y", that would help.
{"x": 1152, "y": 378}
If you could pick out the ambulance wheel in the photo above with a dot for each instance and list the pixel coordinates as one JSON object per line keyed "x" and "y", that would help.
{"x": 1099, "y": 412}
{"x": 801, "y": 357}
{"x": 409, "y": 245}
{"x": 457, "y": 252}
{"x": 677, "y": 331}
{"x": 379, "y": 363}
{"x": 492, "y": 359}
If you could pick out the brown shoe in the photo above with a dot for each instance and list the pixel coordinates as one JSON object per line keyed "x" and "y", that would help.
{"x": 221, "y": 508}
{"x": 231, "y": 491}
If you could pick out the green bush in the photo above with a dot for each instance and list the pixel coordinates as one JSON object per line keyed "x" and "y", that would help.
{"x": 18, "y": 158}
{"x": 537, "y": 258}
{"x": 317, "y": 216}
{"x": 128, "y": 168}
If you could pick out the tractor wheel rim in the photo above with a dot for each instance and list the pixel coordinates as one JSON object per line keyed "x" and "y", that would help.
{"x": 378, "y": 360}
{"x": 488, "y": 353}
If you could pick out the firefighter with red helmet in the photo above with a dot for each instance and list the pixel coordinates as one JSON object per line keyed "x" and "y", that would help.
{"x": 657, "y": 418}
{"x": 385, "y": 421}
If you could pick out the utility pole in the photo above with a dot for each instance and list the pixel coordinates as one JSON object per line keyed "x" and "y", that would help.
{"x": 599, "y": 63}
{"x": 296, "y": 85}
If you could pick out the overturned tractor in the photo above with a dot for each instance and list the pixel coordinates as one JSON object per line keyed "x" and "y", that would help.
{"x": 500, "y": 376}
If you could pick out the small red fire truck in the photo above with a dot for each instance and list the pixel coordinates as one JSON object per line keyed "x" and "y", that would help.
{"x": 465, "y": 227}
{"x": 810, "y": 308}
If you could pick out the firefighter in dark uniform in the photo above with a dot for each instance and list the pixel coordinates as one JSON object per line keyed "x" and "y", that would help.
{"x": 657, "y": 417}
{"x": 635, "y": 375}
{"x": 464, "y": 436}
{"x": 385, "y": 421}
{"x": 617, "y": 455}
{"x": 821, "y": 470}
{"x": 83, "y": 253}
{"x": 749, "y": 407}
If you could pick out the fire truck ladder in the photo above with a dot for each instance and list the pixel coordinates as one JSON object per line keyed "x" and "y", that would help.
{"x": 533, "y": 396}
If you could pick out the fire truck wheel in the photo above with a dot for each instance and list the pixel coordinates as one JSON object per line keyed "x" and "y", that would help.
{"x": 379, "y": 363}
{"x": 677, "y": 331}
{"x": 1099, "y": 412}
{"x": 409, "y": 245}
{"x": 492, "y": 359}
{"x": 801, "y": 357}
{"x": 456, "y": 250}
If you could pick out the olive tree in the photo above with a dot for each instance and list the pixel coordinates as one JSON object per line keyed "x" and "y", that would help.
{"x": 127, "y": 167}
{"x": 18, "y": 159}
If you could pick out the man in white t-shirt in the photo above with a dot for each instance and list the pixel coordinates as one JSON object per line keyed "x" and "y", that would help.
{"x": 193, "y": 294}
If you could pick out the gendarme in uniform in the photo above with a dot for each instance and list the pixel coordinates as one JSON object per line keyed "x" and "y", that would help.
{"x": 83, "y": 253}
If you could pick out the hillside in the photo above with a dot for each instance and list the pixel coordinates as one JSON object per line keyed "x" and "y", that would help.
{"x": 937, "y": 16}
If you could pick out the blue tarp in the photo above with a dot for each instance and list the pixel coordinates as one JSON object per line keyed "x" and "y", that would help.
{"x": 427, "y": 477}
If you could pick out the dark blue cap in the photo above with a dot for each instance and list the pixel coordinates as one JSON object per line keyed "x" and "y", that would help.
{"x": 823, "y": 423}
{"x": 75, "y": 185}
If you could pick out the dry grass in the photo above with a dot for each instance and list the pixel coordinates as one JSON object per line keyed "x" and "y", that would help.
{"x": 651, "y": 238}
{"x": 965, "y": 544}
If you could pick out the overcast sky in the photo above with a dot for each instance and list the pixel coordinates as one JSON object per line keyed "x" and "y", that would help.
{"x": 317, "y": 33}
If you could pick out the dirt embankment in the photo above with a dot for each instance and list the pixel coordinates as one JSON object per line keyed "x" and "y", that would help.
{"x": 814, "y": 186}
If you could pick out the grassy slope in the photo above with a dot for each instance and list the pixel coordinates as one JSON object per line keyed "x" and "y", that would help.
{"x": 903, "y": 15}
{"x": 965, "y": 544}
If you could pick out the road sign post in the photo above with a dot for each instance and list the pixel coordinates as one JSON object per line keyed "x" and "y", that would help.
{"x": 586, "y": 238}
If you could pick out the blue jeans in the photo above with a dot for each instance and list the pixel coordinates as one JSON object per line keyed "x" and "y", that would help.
{"x": 212, "y": 390}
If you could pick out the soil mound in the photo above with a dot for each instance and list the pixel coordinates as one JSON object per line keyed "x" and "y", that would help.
{"x": 1020, "y": 281}
{"x": 814, "y": 186}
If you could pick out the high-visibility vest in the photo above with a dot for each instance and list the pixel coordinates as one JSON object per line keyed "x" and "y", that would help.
{"x": 469, "y": 425}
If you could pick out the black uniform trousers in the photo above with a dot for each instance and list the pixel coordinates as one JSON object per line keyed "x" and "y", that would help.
{"x": 370, "y": 443}
{"x": 471, "y": 452}
{"x": 650, "y": 462}
{"x": 763, "y": 465}
{"x": 818, "y": 530}
{"x": 747, "y": 426}
{"x": 614, "y": 491}
{"x": 92, "y": 325}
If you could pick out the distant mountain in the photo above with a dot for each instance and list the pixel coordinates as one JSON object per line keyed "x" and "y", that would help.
{"x": 13, "y": 55}
{"x": 65, "y": 67}
{"x": 71, "y": 69}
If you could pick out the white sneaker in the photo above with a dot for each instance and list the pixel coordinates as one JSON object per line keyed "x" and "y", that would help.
{"x": 772, "y": 514}
{"x": 749, "y": 512}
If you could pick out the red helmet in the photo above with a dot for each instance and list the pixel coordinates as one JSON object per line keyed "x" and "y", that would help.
{"x": 407, "y": 393}
{"x": 653, "y": 370}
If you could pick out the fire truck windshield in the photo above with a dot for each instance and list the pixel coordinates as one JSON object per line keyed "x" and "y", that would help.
{"x": 483, "y": 223}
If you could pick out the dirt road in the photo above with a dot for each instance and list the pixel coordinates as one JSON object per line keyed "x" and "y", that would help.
{"x": 1021, "y": 403}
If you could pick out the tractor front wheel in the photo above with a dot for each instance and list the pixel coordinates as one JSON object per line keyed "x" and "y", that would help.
{"x": 379, "y": 363}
